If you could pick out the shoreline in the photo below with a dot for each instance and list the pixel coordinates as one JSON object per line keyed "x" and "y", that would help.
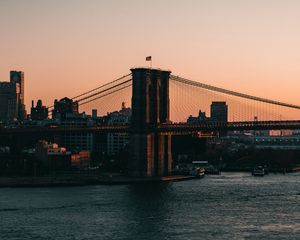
{"x": 61, "y": 181}
{"x": 69, "y": 180}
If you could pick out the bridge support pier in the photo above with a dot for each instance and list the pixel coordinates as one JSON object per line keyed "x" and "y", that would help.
{"x": 150, "y": 150}
{"x": 150, "y": 155}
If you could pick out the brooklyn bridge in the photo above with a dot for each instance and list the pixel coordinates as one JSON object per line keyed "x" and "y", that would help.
{"x": 160, "y": 104}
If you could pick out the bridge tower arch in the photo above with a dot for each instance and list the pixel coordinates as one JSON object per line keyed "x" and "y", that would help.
{"x": 150, "y": 150}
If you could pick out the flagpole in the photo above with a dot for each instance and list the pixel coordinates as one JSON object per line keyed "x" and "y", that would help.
{"x": 149, "y": 58}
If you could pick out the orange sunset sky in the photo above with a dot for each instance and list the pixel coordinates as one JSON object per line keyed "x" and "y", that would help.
{"x": 68, "y": 46}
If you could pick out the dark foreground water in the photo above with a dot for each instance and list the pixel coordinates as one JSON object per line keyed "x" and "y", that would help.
{"x": 229, "y": 206}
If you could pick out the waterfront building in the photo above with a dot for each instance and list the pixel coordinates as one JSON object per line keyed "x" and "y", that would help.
{"x": 52, "y": 156}
{"x": 277, "y": 142}
{"x": 285, "y": 132}
{"x": 234, "y": 142}
{"x": 77, "y": 141}
{"x": 117, "y": 142}
{"x": 81, "y": 160}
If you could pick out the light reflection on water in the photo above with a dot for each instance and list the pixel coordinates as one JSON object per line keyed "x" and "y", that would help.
{"x": 229, "y": 206}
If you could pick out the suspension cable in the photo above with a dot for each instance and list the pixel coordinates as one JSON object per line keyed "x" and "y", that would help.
{"x": 229, "y": 92}
{"x": 102, "y": 91}
{"x": 104, "y": 85}
{"x": 96, "y": 98}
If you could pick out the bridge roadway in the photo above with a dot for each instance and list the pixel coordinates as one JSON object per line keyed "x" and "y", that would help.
{"x": 173, "y": 128}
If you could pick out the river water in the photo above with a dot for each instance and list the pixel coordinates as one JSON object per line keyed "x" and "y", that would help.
{"x": 228, "y": 206}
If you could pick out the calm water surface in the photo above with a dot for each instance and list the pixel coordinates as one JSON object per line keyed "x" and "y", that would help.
{"x": 229, "y": 206}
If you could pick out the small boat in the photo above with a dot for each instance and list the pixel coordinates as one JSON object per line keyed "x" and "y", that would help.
{"x": 258, "y": 171}
{"x": 198, "y": 172}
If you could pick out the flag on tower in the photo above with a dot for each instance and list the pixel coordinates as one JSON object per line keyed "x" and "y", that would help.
{"x": 148, "y": 58}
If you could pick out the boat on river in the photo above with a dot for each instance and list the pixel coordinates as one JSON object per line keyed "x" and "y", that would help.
{"x": 258, "y": 171}
{"x": 198, "y": 172}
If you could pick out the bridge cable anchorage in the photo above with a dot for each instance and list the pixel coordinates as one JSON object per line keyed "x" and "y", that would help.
{"x": 96, "y": 98}
{"x": 229, "y": 92}
{"x": 102, "y": 86}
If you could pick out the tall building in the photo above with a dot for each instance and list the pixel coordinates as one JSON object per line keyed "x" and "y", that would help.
{"x": 17, "y": 77}
{"x": 219, "y": 111}
{"x": 12, "y": 98}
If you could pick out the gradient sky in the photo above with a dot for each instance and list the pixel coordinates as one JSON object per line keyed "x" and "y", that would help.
{"x": 68, "y": 46}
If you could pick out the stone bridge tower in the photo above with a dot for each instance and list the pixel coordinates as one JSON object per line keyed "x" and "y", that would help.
{"x": 150, "y": 150}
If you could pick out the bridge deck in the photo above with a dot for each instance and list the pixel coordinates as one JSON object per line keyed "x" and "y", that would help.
{"x": 173, "y": 128}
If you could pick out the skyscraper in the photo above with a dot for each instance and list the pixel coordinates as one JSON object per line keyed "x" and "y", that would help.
{"x": 219, "y": 111}
{"x": 17, "y": 77}
{"x": 12, "y": 98}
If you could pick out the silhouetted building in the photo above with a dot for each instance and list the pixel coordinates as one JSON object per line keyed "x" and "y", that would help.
{"x": 94, "y": 113}
{"x": 12, "y": 98}
{"x": 77, "y": 141}
{"x": 52, "y": 156}
{"x": 39, "y": 112}
{"x": 64, "y": 106}
{"x": 199, "y": 119}
{"x": 17, "y": 77}
{"x": 219, "y": 111}
{"x": 117, "y": 142}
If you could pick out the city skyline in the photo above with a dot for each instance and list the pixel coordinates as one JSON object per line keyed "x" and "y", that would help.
{"x": 126, "y": 99}
{"x": 73, "y": 46}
